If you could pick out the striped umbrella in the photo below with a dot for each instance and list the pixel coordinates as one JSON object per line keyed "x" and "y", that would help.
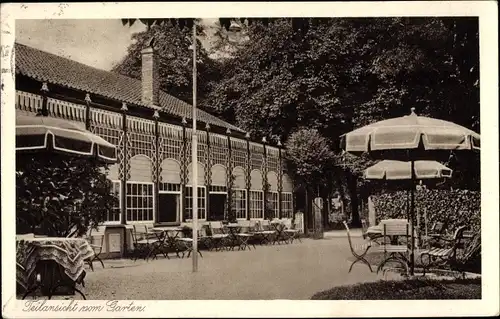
{"x": 411, "y": 137}
{"x": 418, "y": 134}
{"x": 38, "y": 133}
{"x": 399, "y": 170}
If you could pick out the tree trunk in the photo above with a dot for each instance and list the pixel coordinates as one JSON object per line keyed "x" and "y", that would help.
{"x": 306, "y": 211}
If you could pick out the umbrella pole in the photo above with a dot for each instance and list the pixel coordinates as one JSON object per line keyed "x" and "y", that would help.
{"x": 412, "y": 211}
{"x": 408, "y": 192}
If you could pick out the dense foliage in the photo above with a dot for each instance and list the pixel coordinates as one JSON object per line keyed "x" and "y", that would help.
{"x": 451, "y": 207}
{"x": 334, "y": 75}
{"x": 412, "y": 289}
{"x": 309, "y": 157}
{"x": 343, "y": 73}
{"x": 57, "y": 195}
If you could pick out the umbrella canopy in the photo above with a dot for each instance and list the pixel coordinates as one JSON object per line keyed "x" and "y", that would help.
{"x": 399, "y": 170}
{"x": 410, "y": 132}
{"x": 402, "y": 136}
{"x": 36, "y": 133}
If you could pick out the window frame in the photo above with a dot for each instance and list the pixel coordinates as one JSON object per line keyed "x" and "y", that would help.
{"x": 244, "y": 201}
{"x": 120, "y": 203}
{"x": 283, "y": 201}
{"x": 261, "y": 199}
{"x": 149, "y": 221}
{"x": 189, "y": 199}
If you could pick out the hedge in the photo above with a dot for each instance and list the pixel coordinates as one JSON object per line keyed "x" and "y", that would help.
{"x": 411, "y": 289}
{"x": 452, "y": 207}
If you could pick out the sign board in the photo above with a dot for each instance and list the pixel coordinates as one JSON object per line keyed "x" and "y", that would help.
{"x": 114, "y": 241}
{"x": 318, "y": 217}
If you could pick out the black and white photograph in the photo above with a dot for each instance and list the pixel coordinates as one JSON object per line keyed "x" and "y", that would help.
{"x": 249, "y": 156}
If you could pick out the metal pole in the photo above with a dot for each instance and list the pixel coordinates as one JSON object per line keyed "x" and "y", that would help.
{"x": 412, "y": 212}
{"x": 194, "y": 161}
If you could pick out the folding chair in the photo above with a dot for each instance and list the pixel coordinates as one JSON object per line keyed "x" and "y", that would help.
{"x": 142, "y": 242}
{"x": 398, "y": 252}
{"x": 188, "y": 244}
{"x": 245, "y": 235}
{"x": 218, "y": 237}
{"x": 293, "y": 231}
{"x": 358, "y": 256}
{"x": 264, "y": 232}
{"x": 96, "y": 241}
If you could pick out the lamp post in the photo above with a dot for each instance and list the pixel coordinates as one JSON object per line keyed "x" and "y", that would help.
{"x": 194, "y": 161}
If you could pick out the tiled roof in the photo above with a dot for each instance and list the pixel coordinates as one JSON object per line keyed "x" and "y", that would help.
{"x": 51, "y": 68}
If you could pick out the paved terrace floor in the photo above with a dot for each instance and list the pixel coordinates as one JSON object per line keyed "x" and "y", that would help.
{"x": 291, "y": 271}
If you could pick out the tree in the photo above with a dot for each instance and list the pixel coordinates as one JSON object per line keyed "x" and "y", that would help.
{"x": 172, "y": 45}
{"x": 309, "y": 158}
{"x": 61, "y": 195}
{"x": 335, "y": 75}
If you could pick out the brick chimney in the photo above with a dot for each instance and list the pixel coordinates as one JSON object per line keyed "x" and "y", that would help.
{"x": 150, "y": 76}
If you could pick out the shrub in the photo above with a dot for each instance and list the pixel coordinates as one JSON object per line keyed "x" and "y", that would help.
{"x": 60, "y": 195}
{"x": 411, "y": 289}
{"x": 451, "y": 207}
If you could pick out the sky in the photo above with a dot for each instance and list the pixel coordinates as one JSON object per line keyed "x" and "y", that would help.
{"x": 98, "y": 43}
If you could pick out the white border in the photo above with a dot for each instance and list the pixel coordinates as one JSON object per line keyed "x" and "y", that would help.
{"x": 488, "y": 25}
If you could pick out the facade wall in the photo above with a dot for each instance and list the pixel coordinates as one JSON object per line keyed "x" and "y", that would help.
{"x": 155, "y": 157}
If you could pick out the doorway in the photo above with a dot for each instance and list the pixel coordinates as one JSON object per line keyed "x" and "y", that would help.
{"x": 217, "y": 206}
{"x": 169, "y": 208}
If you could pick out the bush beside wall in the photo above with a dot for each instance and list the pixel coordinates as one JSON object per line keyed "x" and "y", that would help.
{"x": 452, "y": 207}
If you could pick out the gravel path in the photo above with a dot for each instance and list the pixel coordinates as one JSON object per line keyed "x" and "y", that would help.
{"x": 292, "y": 271}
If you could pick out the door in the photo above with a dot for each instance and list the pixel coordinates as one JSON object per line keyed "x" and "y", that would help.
{"x": 217, "y": 206}
{"x": 168, "y": 208}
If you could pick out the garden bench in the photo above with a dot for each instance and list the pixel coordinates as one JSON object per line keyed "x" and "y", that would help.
{"x": 441, "y": 256}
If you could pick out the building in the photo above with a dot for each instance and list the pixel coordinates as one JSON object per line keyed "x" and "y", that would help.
{"x": 152, "y": 131}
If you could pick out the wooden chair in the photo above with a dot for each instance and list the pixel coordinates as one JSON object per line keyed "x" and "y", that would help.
{"x": 293, "y": 230}
{"x": 245, "y": 235}
{"x": 218, "y": 236}
{"x": 142, "y": 242}
{"x": 359, "y": 256}
{"x": 395, "y": 250}
{"x": 96, "y": 241}
{"x": 188, "y": 244}
{"x": 264, "y": 232}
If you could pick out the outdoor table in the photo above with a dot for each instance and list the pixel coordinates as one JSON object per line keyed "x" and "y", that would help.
{"x": 169, "y": 237}
{"x": 280, "y": 228}
{"x": 374, "y": 232}
{"x": 59, "y": 260}
{"x": 234, "y": 230}
{"x": 160, "y": 245}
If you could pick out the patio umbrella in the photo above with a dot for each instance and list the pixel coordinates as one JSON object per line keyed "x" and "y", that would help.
{"x": 411, "y": 137}
{"x": 38, "y": 133}
{"x": 419, "y": 134}
{"x": 399, "y": 170}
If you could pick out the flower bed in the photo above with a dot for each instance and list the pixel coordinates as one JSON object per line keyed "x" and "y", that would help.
{"x": 452, "y": 207}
